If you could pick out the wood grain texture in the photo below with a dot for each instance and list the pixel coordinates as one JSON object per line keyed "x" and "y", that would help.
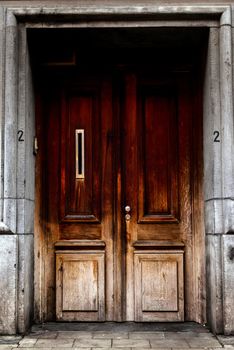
{"x": 158, "y": 161}
{"x": 80, "y": 286}
{"x": 159, "y": 286}
{"x": 80, "y": 198}
{"x": 140, "y": 129}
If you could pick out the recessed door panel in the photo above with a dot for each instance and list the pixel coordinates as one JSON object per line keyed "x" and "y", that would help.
{"x": 159, "y": 287}
{"x": 80, "y": 286}
{"x": 158, "y": 166}
{"x": 80, "y": 157}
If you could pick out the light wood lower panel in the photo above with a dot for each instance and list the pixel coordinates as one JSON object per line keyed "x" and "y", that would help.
{"x": 159, "y": 286}
{"x": 80, "y": 286}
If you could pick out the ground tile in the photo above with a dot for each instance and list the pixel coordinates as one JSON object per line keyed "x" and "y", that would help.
{"x": 79, "y": 348}
{"x": 133, "y": 343}
{"x": 146, "y": 335}
{"x": 169, "y": 343}
{"x": 48, "y": 335}
{"x": 27, "y": 342}
{"x": 93, "y": 343}
{"x": 193, "y": 334}
{"x": 74, "y": 335}
{"x": 44, "y": 348}
{"x": 54, "y": 343}
{"x": 226, "y": 340}
{"x": 208, "y": 343}
{"x": 188, "y": 335}
{"x": 158, "y": 349}
{"x": 42, "y": 335}
{"x": 109, "y": 349}
{"x": 110, "y": 335}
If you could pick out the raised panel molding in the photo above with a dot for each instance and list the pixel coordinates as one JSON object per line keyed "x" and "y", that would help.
{"x": 80, "y": 286}
{"x": 159, "y": 286}
{"x": 80, "y": 197}
{"x": 158, "y": 199}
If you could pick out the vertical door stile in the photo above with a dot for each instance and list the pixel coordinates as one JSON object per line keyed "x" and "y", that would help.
{"x": 107, "y": 190}
{"x": 129, "y": 167}
{"x": 119, "y": 232}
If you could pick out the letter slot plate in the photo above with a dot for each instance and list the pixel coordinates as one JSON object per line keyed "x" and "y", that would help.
{"x": 80, "y": 154}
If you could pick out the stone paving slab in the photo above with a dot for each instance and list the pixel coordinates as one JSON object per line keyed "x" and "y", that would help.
{"x": 44, "y": 335}
{"x": 27, "y": 342}
{"x": 147, "y": 335}
{"x": 115, "y": 338}
{"x": 45, "y": 348}
{"x": 186, "y": 335}
{"x": 93, "y": 343}
{"x": 74, "y": 335}
{"x": 226, "y": 340}
{"x": 193, "y": 342}
{"x": 132, "y": 343}
{"x": 54, "y": 343}
{"x": 170, "y": 343}
{"x": 111, "y": 349}
{"x": 110, "y": 335}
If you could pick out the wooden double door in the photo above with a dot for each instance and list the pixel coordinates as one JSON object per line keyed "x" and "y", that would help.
{"x": 117, "y": 172}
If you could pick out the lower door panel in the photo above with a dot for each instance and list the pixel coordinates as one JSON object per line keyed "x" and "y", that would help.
{"x": 159, "y": 286}
{"x": 80, "y": 285}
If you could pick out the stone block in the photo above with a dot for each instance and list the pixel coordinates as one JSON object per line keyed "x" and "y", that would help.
{"x": 25, "y": 216}
{"x": 26, "y": 122}
{"x": 9, "y": 214}
{"x": 74, "y": 335}
{"x": 25, "y": 283}
{"x": 8, "y": 283}
{"x": 133, "y": 343}
{"x": 110, "y": 335}
{"x": 214, "y": 283}
{"x": 93, "y": 343}
{"x": 214, "y": 217}
{"x": 211, "y": 119}
{"x": 55, "y": 343}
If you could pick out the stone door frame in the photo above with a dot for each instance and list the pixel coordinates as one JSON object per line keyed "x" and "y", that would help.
{"x": 17, "y": 189}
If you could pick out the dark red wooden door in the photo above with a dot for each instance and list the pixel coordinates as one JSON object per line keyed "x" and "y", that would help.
{"x": 118, "y": 196}
{"x": 156, "y": 168}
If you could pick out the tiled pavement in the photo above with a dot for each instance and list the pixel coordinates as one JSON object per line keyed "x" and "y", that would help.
{"x": 114, "y": 338}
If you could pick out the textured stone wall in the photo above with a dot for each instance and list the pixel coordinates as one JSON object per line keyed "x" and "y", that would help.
{"x": 17, "y": 169}
{"x": 17, "y": 178}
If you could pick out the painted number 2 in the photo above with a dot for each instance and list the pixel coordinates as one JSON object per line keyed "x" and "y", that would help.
{"x": 216, "y": 136}
{"x": 20, "y": 134}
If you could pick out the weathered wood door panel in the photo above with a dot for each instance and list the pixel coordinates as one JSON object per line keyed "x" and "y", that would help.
{"x": 118, "y": 194}
{"x": 157, "y": 157}
{"x": 159, "y": 287}
{"x": 80, "y": 286}
{"x": 78, "y": 198}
